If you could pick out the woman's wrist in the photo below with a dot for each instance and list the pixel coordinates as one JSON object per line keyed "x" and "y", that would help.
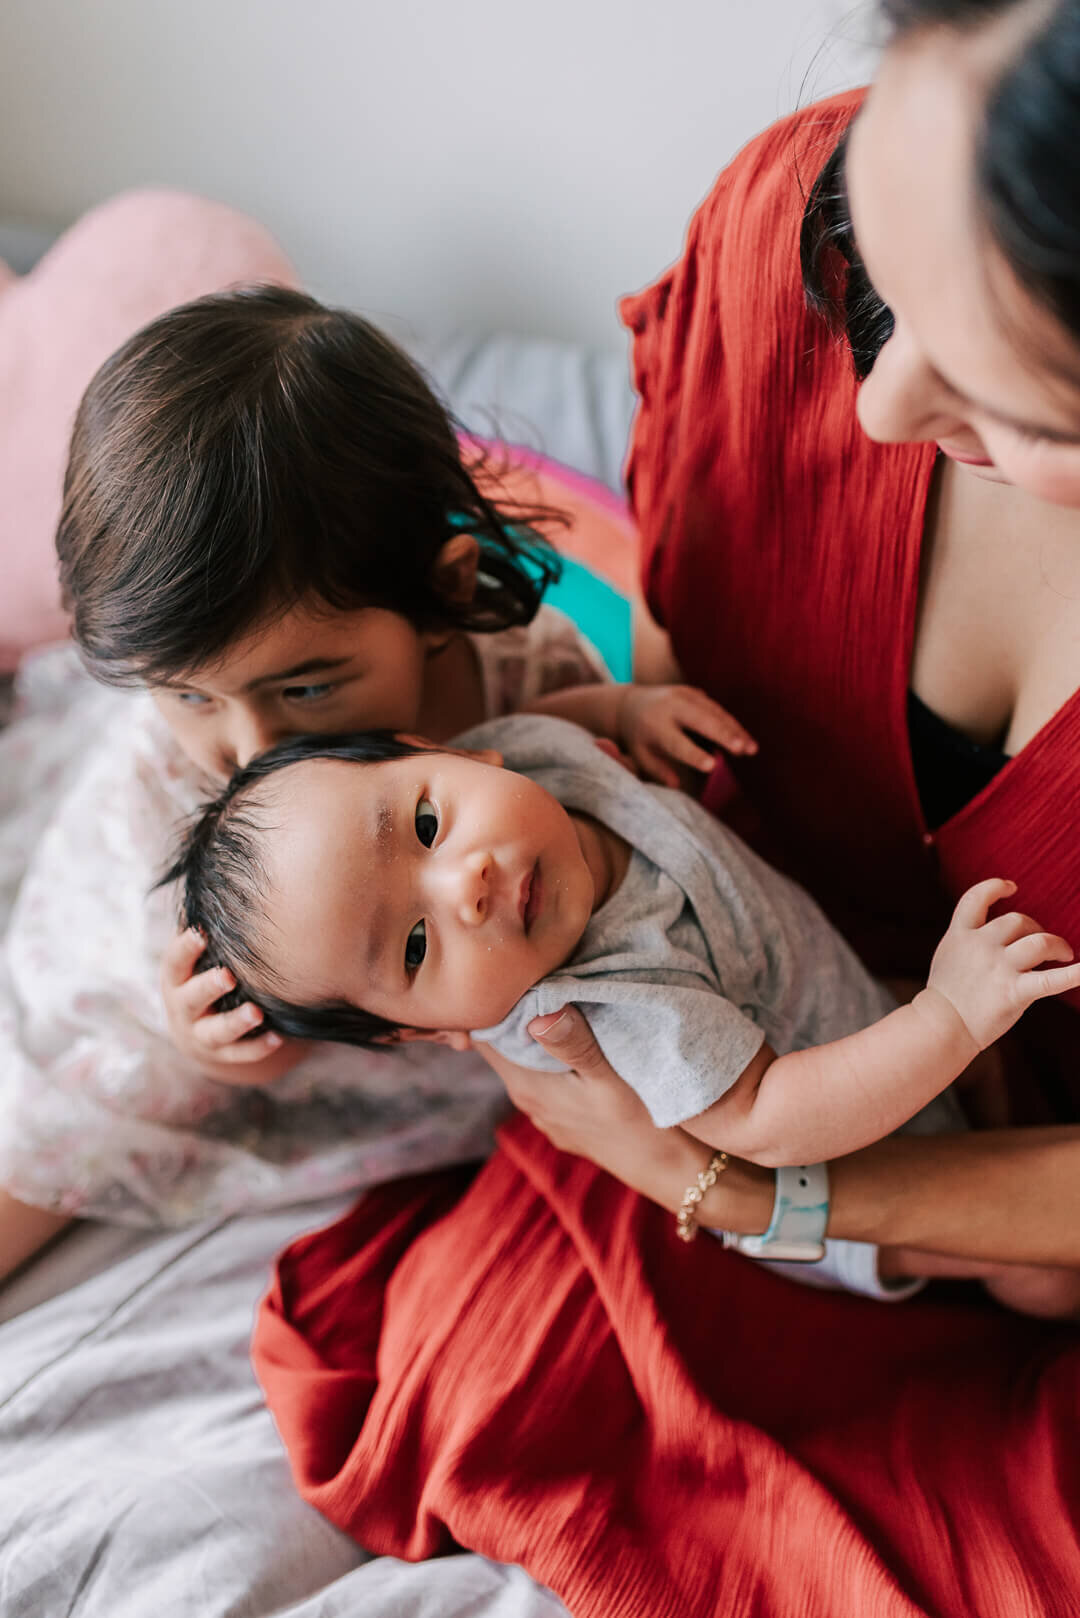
{"x": 741, "y": 1200}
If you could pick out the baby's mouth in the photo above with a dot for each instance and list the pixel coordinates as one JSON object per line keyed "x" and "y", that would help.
{"x": 531, "y": 897}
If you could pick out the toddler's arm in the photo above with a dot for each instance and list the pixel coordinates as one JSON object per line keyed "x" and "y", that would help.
{"x": 833, "y": 1099}
{"x": 24, "y": 1229}
{"x": 660, "y": 726}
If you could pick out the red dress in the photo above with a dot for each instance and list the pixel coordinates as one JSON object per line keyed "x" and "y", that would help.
{"x": 781, "y": 551}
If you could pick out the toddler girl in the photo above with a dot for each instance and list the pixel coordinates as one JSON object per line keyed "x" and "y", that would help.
{"x": 268, "y": 526}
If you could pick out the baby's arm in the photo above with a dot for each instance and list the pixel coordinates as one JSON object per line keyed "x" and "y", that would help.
{"x": 831, "y": 1100}
{"x": 659, "y": 726}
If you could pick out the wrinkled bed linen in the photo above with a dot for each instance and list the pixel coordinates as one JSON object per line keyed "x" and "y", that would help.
{"x": 140, "y": 1472}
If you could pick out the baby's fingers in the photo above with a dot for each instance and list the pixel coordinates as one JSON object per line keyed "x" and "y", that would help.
{"x": 1036, "y": 948}
{"x": 1053, "y": 980}
{"x": 973, "y": 905}
{"x": 219, "y": 1032}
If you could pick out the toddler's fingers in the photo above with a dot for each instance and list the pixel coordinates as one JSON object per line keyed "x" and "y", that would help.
{"x": 973, "y": 905}
{"x": 178, "y": 962}
{"x": 678, "y": 745}
{"x": 703, "y": 714}
{"x": 656, "y": 767}
{"x": 1054, "y": 980}
{"x": 216, "y": 1032}
{"x": 246, "y": 1052}
{"x": 195, "y": 997}
{"x": 1036, "y": 948}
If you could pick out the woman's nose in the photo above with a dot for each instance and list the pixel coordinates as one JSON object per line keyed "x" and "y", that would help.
{"x": 903, "y": 400}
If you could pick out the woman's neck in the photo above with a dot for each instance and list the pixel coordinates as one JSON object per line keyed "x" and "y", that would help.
{"x": 453, "y": 698}
{"x": 606, "y": 854}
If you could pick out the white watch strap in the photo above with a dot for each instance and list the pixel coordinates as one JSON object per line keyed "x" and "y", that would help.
{"x": 800, "y": 1214}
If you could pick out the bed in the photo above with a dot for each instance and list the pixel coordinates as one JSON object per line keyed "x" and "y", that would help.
{"x": 139, "y": 1469}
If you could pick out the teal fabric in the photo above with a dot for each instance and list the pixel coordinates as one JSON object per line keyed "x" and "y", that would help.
{"x": 600, "y": 612}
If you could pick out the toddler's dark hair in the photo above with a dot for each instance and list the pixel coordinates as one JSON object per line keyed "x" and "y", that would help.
{"x": 252, "y": 449}
{"x": 220, "y": 867}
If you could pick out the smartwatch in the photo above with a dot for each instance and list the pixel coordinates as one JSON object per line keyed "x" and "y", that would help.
{"x": 796, "y": 1232}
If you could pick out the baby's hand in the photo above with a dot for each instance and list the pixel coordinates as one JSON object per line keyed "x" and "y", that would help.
{"x": 991, "y": 971}
{"x": 662, "y": 726}
{"x": 214, "y": 1039}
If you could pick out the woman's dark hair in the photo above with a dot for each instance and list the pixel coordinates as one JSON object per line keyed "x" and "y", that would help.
{"x": 252, "y": 449}
{"x": 1027, "y": 176}
{"x": 223, "y": 884}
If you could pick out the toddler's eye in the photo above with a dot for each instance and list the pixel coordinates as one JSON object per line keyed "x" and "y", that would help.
{"x": 191, "y": 699}
{"x": 427, "y": 822}
{"x": 415, "y": 947}
{"x": 307, "y": 693}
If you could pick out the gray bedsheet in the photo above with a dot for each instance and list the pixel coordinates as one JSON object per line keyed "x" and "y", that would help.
{"x": 140, "y": 1473}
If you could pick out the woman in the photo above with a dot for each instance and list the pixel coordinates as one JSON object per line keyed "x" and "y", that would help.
{"x": 860, "y": 507}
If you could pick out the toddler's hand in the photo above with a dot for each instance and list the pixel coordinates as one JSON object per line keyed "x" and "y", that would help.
{"x": 662, "y": 726}
{"x": 214, "y": 1039}
{"x": 991, "y": 971}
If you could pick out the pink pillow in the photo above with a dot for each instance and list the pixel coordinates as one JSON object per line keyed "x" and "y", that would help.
{"x": 118, "y": 267}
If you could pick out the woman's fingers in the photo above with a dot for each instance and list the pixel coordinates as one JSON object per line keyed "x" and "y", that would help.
{"x": 567, "y": 1037}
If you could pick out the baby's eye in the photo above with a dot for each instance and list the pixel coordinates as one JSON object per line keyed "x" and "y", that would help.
{"x": 307, "y": 693}
{"x": 416, "y": 947}
{"x": 427, "y": 822}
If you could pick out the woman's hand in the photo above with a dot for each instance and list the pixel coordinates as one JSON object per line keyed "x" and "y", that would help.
{"x": 215, "y": 1039}
{"x": 593, "y": 1113}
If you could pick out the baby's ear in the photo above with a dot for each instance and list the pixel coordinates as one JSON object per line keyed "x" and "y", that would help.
{"x": 455, "y": 569}
{"x": 456, "y": 1039}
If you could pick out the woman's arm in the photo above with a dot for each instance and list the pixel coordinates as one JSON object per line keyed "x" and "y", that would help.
{"x": 1007, "y": 1196}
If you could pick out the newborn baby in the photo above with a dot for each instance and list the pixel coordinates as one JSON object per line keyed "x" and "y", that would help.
{"x": 376, "y": 889}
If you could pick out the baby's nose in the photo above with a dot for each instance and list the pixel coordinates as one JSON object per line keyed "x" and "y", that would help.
{"x": 474, "y": 888}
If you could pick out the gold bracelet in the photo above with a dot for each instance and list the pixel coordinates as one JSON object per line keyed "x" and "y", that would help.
{"x": 686, "y": 1219}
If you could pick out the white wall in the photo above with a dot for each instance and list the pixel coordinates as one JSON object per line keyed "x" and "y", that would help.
{"x": 439, "y": 163}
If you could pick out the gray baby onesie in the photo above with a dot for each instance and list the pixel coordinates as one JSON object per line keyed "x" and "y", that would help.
{"x": 701, "y": 954}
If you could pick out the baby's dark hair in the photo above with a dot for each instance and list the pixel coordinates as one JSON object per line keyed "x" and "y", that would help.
{"x": 222, "y": 873}
{"x": 254, "y": 449}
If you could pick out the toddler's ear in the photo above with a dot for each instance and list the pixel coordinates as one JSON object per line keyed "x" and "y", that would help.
{"x": 454, "y": 573}
{"x": 456, "y": 1039}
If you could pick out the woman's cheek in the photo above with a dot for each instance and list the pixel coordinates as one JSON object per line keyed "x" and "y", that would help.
{"x": 1049, "y": 474}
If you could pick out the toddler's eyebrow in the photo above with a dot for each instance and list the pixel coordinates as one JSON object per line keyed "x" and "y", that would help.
{"x": 311, "y": 665}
